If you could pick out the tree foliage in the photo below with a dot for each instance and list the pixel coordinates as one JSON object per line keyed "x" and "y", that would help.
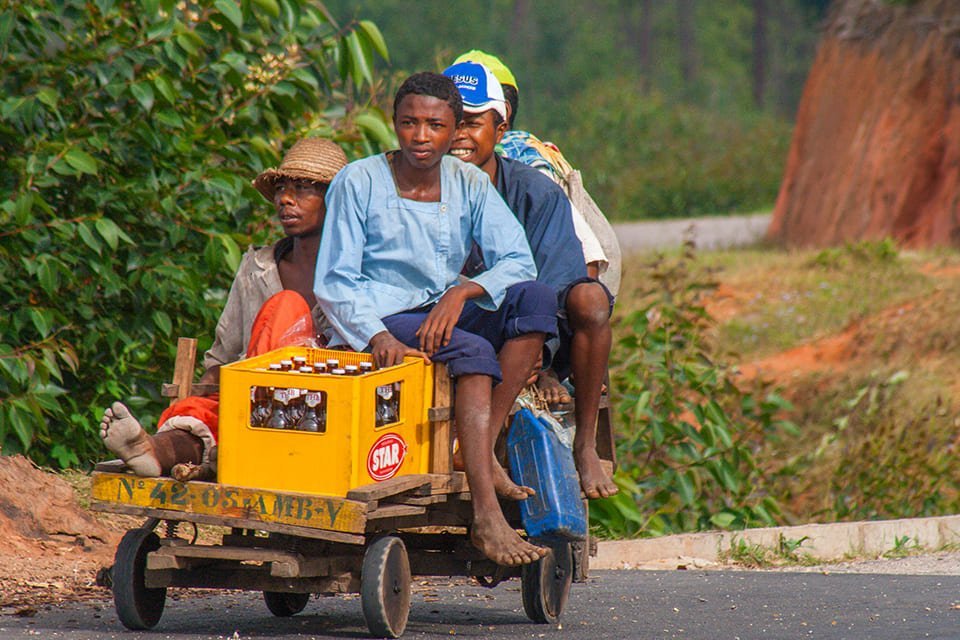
{"x": 656, "y": 102}
{"x": 675, "y": 159}
{"x": 129, "y": 134}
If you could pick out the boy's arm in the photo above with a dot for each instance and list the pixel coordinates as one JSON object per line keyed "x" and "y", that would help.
{"x": 504, "y": 247}
{"x": 553, "y": 240}
{"x": 436, "y": 330}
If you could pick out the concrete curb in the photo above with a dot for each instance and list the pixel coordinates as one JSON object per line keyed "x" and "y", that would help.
{"x": 825, "y": 542}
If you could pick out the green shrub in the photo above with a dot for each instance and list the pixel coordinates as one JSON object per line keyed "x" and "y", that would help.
{"x": 129, "y": 134}
{"x": 688, "y": 433}
{"x": 887, "y": 451}
{"x": 643, "y": 156}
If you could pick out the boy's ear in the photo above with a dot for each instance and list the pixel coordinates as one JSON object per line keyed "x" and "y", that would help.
{"x": 501, "y": 130}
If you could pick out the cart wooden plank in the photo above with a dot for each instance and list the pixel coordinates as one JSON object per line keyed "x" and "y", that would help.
{"x": 416, "y": 483}
{"x": 282, "y": 564}
{"x": 239, "y": 504}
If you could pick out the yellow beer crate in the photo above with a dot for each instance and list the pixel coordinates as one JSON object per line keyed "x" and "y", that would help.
{"x": 356, "y": 446}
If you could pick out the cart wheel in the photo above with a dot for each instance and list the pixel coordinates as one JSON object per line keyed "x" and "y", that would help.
{"x": 283, "y": 604}
{"x": 137, "y": 606}
{"x": 545, "y": 584}
{"x": 385, "y": 587}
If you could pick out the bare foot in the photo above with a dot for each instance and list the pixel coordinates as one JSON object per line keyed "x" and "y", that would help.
{"x": 122, "y": 434}
{"x": 507, "y": 488}
{"x": 492, "y": 535}
{"x": 593, "y": 479}
{"x": 553, "y": 392}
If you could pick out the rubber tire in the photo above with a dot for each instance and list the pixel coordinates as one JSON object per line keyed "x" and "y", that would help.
{"x": 138, "y": 607}
{"x": 284, "y": 604}
{"x": 385, "y": 587}
{"x": 545, "y": 584}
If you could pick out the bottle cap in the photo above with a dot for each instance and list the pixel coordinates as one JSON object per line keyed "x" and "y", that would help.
{"x": 306, "y": 369}
{"x": 338, "y": 372}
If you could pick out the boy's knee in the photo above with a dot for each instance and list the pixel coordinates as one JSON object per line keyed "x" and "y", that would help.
{"x": 467, "y": 354}
{"x": 588, "y": 305}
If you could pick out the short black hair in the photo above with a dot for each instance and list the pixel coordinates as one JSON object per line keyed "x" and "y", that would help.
{"x": 512, "y": 97}
{"x": 427, "y": 83}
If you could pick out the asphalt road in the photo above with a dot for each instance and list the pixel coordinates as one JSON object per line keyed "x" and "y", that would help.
{"x": 708, "y": 605}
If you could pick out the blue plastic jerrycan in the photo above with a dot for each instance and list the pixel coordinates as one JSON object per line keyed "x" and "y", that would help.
{"x": 538, "y": 459}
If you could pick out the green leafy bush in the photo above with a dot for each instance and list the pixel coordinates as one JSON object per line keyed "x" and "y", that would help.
{"x": 888, "y": 452}
{"x": 643, "y": 156}
{"x": 689, "y": 434}
{"x": 129, "y": 134}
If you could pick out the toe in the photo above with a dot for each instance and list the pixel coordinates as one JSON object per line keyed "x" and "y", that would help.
{"x": 120, "y": 410}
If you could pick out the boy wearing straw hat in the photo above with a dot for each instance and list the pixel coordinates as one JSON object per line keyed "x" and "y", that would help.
{"x": 399, "y": 228}
{"x": 271, "y": 304}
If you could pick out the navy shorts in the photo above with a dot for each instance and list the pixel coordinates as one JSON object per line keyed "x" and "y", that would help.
{"x": 557, "y": 351}
{"x": 528, "y": 307}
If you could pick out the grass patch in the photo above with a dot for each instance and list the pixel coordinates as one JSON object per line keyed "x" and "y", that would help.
{"x": 878, "y": 429}
{"x": 787, "y": 552}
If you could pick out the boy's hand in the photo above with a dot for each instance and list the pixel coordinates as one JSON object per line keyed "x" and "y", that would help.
{"x": 436, "y": 330}
{"x": 388, "y": 351}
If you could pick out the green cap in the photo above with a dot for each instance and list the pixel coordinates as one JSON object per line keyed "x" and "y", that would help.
{"x": 499, "y": 70}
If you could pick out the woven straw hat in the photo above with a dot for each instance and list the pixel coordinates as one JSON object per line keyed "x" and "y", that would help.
{"x": 314, "y": 159}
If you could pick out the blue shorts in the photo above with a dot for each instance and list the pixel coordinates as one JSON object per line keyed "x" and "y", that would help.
{"x": 528, "y": 307}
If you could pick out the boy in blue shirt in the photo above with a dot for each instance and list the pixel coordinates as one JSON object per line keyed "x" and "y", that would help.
{"x": 544, "y": 211}
{"x": 399, "y": 227}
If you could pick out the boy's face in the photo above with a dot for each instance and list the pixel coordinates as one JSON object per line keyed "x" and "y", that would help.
{"x": 300, "y": 205}
{"x": 477, "y": 138}
{"x": 425, "y": 129}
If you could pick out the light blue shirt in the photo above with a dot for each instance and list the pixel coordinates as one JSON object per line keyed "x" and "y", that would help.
{"x": 382, "y": 254}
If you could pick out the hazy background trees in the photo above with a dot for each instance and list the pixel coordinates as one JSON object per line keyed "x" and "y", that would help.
{"x": 637, "y": 93}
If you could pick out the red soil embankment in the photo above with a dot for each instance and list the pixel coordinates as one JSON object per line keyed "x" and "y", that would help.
{"x": 876, "y": 149}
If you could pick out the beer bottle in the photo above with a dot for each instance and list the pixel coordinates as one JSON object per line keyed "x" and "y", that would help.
{"x": 319, "y": 367}
{"x": 387, "y": 410}
{"x": 351, "y": 370}
{"x": 286, "y": 365}
{"x": 366, "y": 367}
{"x": 305, "y": 369}
{"x": 259, "y": 406}
{"x": 279, "y": 418}
{"x": 333, "y": 363}
{"x": 299, "y": 362}
{"x": 315, "y": 412}
{"x": 295, "y": 407}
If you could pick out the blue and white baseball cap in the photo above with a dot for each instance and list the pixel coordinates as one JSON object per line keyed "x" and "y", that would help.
{"x": 478, "y": 87}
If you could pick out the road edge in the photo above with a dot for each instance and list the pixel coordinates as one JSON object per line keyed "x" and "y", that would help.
{"x": 822, "y": 542}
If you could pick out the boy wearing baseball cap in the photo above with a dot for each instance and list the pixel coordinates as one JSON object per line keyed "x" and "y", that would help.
{"x": 542, "y": 208}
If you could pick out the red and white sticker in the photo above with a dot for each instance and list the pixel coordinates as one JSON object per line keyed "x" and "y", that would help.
{"x": 386, "y": 456}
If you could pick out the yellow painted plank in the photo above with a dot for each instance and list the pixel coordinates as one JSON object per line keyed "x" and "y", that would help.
{"x": 316, "y": 511}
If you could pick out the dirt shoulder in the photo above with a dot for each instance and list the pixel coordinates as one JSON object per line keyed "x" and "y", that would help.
{"x": 52, "y": 546}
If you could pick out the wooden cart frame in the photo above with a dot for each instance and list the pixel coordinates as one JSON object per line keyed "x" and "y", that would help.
{"x": 290, "y": 545}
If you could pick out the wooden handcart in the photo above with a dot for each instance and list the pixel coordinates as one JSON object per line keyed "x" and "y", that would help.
{"x": 290, "y": 544}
